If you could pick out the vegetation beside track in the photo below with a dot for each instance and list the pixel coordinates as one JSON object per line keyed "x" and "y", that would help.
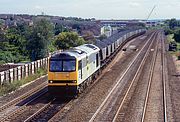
{"x": 9, "y": 87}
{"x": 172, "y": 30}
{"x": 171, "y": 39}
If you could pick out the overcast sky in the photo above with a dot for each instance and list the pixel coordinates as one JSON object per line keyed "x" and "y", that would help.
{"x": 99, "y": 9}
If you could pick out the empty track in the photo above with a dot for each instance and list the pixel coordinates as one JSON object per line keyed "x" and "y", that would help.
{"x": 155, "y": 106}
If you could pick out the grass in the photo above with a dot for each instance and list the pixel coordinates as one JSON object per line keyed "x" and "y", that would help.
{"x": 9, "y": 87}
{"x": 2, "y": 62}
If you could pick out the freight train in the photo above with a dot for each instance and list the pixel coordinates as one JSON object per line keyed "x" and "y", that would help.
{"x": 71, "y": 71}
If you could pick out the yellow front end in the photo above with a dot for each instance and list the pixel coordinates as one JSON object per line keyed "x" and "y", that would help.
{"x": 63, "y": 83}
{"x": 62, "y": 78}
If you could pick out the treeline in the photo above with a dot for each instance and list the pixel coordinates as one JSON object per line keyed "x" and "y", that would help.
{"x": 173, "y": 27}
{"x": 29, "y": 43}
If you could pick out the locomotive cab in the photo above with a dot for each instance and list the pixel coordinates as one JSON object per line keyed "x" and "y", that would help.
{"x": 62, "y": 75}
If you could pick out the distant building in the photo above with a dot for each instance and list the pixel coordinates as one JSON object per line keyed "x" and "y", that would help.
{"x": 28, "y": 22}
{"x": 3, "y": 16}
{"x": 151, "y": 23}
{"x": 114, "y": 23}
{"x": 106, "y": 30}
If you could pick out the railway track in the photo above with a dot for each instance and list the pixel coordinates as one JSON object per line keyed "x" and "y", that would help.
{"x": 19, "y": 104}
{"x": 159, "y": 96}
{"x": 34, "y": 116}
{"x": 22, "y": 97}
{"x": 150, "y": 80}
{"x": 102, "y": 113}
{"x": 164, "y": 79}
{"x": 46, "y": 112}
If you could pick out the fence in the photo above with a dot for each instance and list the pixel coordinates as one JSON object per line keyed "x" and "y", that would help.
{"x": 22, "y": 71}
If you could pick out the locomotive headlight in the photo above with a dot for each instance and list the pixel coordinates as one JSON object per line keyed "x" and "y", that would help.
{"x": 51, "y": 81}
{"x": 74, "y": 81}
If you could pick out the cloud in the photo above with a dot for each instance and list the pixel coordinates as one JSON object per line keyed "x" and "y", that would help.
{"x": 38, "y": 7}
{"x": 134, "y": 4}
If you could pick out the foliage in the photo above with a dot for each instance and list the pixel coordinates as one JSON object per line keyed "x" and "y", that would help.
{"x": 76, "y": 26}
{"x": 39, "y": 38}
{"x": 2, "y": 62}
{"x": 177, "y": 35}
{"x": 2, "y": 35}
{"x": 16, "y": 38}
{"x": 174, "y": 46}
{"x": 168, "y": 31}
{"x": 59, "y": 28}
{"x": 66, "y": 40}
{"x": 28, "y": 43}
{"x": 173, "y": 23}
{"x": 173, "y": 28}
{"x": 12, "y": 47}
{"x": 51, "y": 46}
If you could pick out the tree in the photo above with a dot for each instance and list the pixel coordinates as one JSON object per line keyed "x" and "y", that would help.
{"x": 13, "y": 46}
{"x": 168, "y": 31}
{"x": 177, "y": 36}
{"x": 9, "y": 53}
{"x": 66, "y": 40}
{"x": 17, "y": 38}
{"x": 59, "y": 28}
{"x": 2, "y": 34}
{"x": 173, "y": 23}
{"x": 40, "y": 37}
{"x": 76, "y": 26}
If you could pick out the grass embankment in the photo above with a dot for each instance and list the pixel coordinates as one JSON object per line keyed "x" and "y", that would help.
{"x": 9, "y": 87}
{"x": 2, "y": 62}
{"x": 171, "y": 39}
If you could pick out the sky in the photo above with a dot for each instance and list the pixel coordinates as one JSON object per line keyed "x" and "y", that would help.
{"x": 99, "y": 9}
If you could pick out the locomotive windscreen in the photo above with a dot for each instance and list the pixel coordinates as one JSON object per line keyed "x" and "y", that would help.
{"x": 62, "y": 65}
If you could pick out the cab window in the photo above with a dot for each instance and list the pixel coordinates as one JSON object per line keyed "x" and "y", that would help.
{"x": 62, "y": 65}
{"x": 69, "y": 65}
{"x": 55, "y": 66}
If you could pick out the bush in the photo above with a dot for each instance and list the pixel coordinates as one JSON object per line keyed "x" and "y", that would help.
{"x": 168, "y": 31}
{"x": 177, "y": 36}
